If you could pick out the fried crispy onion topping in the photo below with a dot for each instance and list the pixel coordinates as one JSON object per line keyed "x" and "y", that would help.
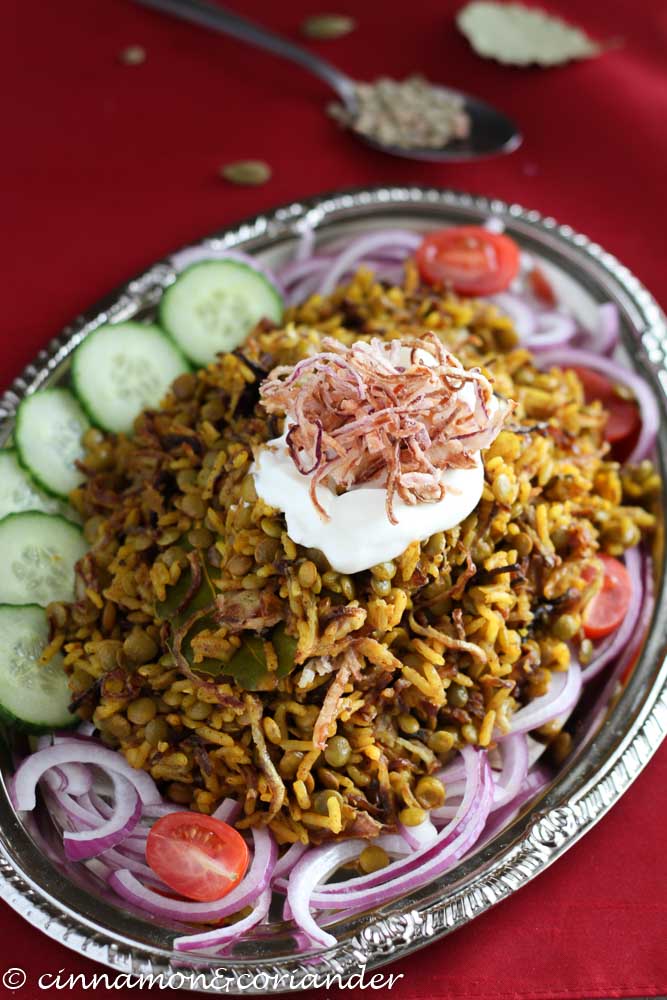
{"x": 388, "y": 414}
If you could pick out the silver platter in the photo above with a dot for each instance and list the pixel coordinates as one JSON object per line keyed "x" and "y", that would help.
{"x": 74, "y": 908}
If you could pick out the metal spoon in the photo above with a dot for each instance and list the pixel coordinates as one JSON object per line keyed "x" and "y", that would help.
{"x": 490, "y": 131}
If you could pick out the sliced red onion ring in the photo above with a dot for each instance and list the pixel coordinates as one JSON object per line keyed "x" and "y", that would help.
{"x": 73, "y": 778}
{"x": 446, "y": 812}
{"x": 617, "y": 642}
{"x": 650, "y": 415}
{"x": 163, "y": 809}
{"x": 78, "y": 778}
{"x": 129, "y": 851}
{"x": 225, "y": 935}
{"x": 306, "y": 245}
{"x": 56, "y": 780}
{"x": 452, "y": 772}
{"x": 360, "y": 248}
{"x": 604, "y": 338}
{"x": 553, "y": 329}
{"x": 418, "y": 836}
{"x": 395, "y": 846}
{"x": 115, "y": 857}
{"x": 423, "y": 872}
{"x": 514, "y": 749}
{"x": 309, "y": 275}
{"x": 303, "y": 289}
{"x": 534, "y": 782}
{"x": 392, "y": 843}
{"x": 285, "y": 864}
{"x": 428, "y": 862}
{"x": 562, "y": 695}
{"x": 95, "y": 802}
{"x": 69, "y": 813}
{"x": 255, "y": 881}
{"x": 391, "y": 274}
{"x": 397, "y": 251}
{"x": 80, "y": 844}
{"x": 81, "y": 752}
{"x": 522, "y": 315}
{"x": 455, "y": 788}
{"x": 296, "y": 270}
{"x": 228, "y": 811}
{"x": 307, "y": 874}
{"x": 608, "y": 330}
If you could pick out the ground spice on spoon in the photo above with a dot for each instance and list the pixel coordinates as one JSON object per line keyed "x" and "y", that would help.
{"x": 410, "y": 114}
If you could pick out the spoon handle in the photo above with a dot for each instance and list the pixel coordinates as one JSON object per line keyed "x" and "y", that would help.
{"x": 229, "y": 23}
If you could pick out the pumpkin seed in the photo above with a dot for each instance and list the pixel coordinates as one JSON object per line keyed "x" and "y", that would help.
{"x": 133, "y": 55}
{"x": 325, "y": 26}
{"x": 246, "y": 172}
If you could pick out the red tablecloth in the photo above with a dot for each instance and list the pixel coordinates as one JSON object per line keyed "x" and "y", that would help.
{"x": 106, "y": 167}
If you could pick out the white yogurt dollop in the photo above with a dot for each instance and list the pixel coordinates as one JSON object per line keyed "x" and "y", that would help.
{"x": 359, "y": 534}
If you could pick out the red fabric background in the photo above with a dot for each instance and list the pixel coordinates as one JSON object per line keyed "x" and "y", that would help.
{"x": 107, "y": 167}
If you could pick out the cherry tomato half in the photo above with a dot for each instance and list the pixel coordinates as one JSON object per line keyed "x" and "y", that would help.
{"x": 608, "y": 608}
{"x": 199, "y": 857}
{"x": 624, "y": 419}
{"x": 469, "y": 259}
{"x": 541, "y": 287}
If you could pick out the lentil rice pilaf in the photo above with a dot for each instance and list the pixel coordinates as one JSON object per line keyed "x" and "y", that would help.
{"x": 228, "y": 661}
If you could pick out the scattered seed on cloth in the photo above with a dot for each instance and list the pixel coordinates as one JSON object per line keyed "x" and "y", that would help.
{"x": 133, "y": 55}
{"x": 327, "y": 26}
{"x": 251, "y": 172}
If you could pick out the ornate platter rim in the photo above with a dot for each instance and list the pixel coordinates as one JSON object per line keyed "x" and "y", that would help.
{"x": 588, "y": 786}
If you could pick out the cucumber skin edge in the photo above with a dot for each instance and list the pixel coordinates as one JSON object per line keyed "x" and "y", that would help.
{"x": 38, "y": 513}
{"x": 37, "y": 728}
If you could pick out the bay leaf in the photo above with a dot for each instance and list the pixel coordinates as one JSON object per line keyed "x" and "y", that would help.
{"x": 248, "y": 665}
{"x": 520, "y": 36}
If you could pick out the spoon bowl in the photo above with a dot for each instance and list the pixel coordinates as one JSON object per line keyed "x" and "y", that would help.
{"x": 491, "y": 132}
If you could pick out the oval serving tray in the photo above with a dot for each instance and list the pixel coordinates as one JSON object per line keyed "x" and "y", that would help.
{"x": 73, "y": 907}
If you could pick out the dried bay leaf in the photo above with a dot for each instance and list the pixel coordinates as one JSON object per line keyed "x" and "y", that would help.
{"x": 520, "y": 36}
{"x": 248, "y": 665}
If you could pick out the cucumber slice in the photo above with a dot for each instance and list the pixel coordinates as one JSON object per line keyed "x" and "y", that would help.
{"x": 49, "y": 428}
{"x": 212, "y": 307}
{"x": 35, "y": 695}
{"x": 38, "y": 554}
{"x": 18, "y": 491}
{"x": 122, "y": 369}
